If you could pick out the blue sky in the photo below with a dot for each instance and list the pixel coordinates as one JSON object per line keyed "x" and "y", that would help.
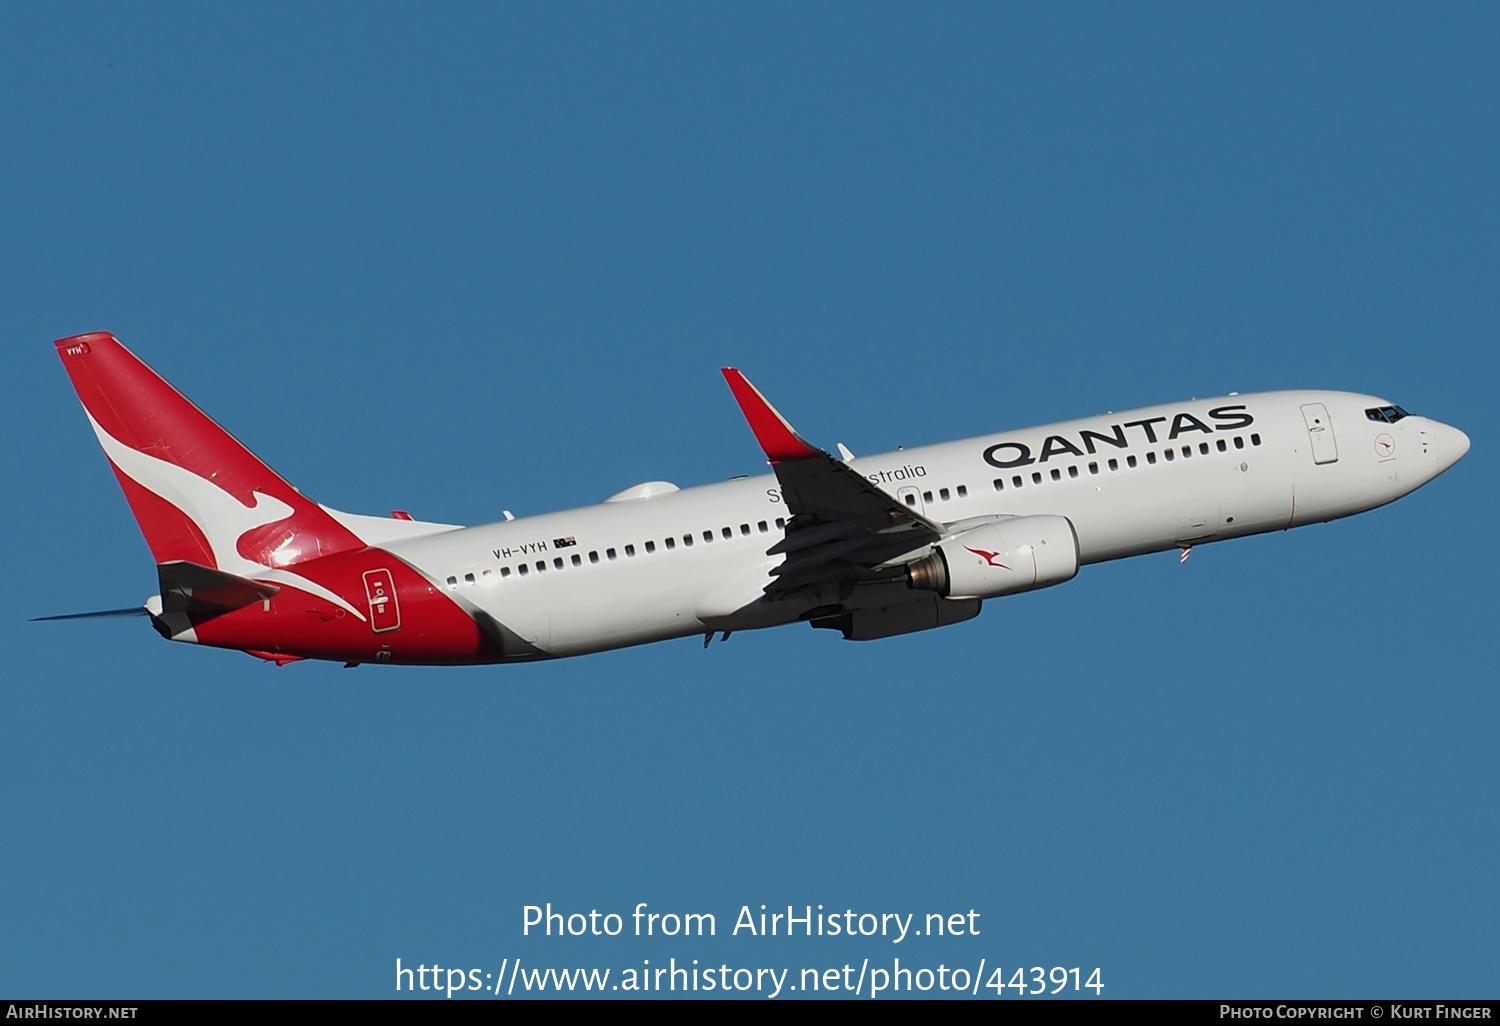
{"x": 490, "y": 257}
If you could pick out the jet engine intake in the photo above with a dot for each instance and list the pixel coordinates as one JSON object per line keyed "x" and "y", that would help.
{"x": 1001, "y": 558}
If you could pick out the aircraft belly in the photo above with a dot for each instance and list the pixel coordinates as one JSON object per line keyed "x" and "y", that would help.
{"x": 1123, "y": 525}
{"x": 627, "y": 608}
{"x": 1332, "y": 490}
{"x": 1250, "y": 503}
{"x": 1227, "y": 505}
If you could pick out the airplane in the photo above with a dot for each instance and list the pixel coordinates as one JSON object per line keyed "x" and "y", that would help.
{"x": 871, "y": 546}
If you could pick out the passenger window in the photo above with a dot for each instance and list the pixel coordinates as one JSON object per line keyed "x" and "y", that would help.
{"x": 557, "y": 563}
{"x": 1016, "y": 480}
{"x": 1150, "y": 457}
{"x": 593, "y": 557}
{"x": 650, "y": 547}
{"x": 999, "y": 484}
{"x": 1072, "y": 471}
{"x": 541, "y": 566}
{"x": 505, "y": 571}
{"x": 687, "y": 541}
{"x": 963, "y": 491}
{"x": 727, "y": 532}
{"x": 780, "y": 523}
{"x": 468, "y": 578}
{"x": 453, "y": 582}
{"x": 523, "y": 569}
{"x": 1203, "y": 448}
{"x": 943, "y": 494}
{"x": 1056, "y": 474}
{"x": 744, "y": 529}
{"x": 1187, "y": 450}
{"x": 1036, "y": 477}
{"x": 630, "y": 550}
{"x": 926, "y": 496}
{"x": 1239, "y": 443}
{"x": 1093, "y": 468}
{"x": 609, "y": 553}
{"x": 1221, "y": 445}
{"x": 1169, "y": 454}
{"x": 760, "y": 526}
{"x": 1255, "y": 439}
{"x": 671, "y": 543}
{"x": 708, "y": 536}
{"x": 577, "y": 559}
{"x": 911, "y": 500}
{"x": 1114, "y": 464}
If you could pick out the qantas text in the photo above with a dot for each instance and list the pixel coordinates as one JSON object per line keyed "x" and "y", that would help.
{"x": 1006, "y": 455}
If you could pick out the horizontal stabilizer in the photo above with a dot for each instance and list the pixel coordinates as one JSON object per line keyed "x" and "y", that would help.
{"x": 103, "y": 614}
{"x": 189, "y": 587}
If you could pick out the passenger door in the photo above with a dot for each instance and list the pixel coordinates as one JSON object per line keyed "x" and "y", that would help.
{"x": 1320, "y": 431}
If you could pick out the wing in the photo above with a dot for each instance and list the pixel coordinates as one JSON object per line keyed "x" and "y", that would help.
{"x": 842, "y": 526}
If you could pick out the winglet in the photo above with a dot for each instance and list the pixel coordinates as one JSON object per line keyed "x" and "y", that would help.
{"x": 778, "y": 438}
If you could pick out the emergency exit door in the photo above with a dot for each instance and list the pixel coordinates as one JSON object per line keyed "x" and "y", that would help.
{"x": 1320, "y": 431}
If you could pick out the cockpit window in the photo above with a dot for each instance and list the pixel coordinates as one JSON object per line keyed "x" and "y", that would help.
{"x": 1386, "y": 414}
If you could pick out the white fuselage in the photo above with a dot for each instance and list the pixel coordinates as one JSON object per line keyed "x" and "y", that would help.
{"x": 687, "y": 561}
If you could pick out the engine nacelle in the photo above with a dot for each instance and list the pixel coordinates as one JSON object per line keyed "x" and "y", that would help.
{"x": 1001, "y": 558}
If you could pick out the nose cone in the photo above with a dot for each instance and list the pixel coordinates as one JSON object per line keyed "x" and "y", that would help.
{"x": 1451, "y": 446}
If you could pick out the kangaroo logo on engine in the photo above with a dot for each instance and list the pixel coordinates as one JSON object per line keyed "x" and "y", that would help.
{"x": 988, "y": 557}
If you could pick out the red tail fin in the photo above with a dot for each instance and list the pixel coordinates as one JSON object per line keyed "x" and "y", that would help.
{"x": 197, "y": 493}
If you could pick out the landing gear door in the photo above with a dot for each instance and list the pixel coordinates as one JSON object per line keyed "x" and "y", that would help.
{"x": 1320, "y": 431}
{"x": 911, "y": 498}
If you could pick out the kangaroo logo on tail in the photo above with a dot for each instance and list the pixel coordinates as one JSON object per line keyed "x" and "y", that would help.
{"x": 197, "y": 493}
{"x": 222, "y": 518}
